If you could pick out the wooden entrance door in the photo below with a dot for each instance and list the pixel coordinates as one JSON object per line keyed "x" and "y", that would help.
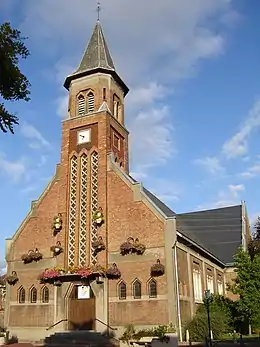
{"x": 82, "y": 311}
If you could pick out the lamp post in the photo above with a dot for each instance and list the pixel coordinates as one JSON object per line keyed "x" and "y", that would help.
{"x": 207, "y": 302}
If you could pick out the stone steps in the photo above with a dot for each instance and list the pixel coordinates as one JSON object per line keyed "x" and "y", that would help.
{"x": 80, "y": 339}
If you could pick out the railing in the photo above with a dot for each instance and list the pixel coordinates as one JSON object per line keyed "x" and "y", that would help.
{"x": 54, "y": 325}
{"x": 108, "y": 326}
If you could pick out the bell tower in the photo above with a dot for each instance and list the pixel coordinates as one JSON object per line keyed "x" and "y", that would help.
{"x": 93, "y": 130}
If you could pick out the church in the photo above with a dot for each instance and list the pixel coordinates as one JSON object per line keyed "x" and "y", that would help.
{"x": 98, "y": 250}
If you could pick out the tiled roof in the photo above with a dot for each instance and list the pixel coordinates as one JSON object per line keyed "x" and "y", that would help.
{"x": 97, "y": 54}
{"x": 217, "y": 230}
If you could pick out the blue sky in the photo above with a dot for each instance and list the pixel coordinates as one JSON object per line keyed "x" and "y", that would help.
{"x": 193, "y": 110}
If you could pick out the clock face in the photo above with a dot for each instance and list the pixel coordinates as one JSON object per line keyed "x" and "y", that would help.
{"x": 83, "y": 136}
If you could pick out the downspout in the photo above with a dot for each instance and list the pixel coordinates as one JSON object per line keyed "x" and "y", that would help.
{"x": 177, "y": 290}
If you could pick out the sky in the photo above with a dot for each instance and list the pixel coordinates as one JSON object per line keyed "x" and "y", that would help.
{"x": 193, "y": 110}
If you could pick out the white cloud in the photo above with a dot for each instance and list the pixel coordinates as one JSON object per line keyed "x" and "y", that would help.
{"x": 2, "y": 267}
{"x": 43, "y": 160}
{"x": 211, "y": 164}
{"x": 151, "y": 139}
{"x": 28, "y": 189}
{"x": 166, "y": 190}
{"x": 176, "y": 33}
{"x": 31, "y": 133}
{"x": 230, "y": 196}
{"x": 236, "y": 189}
{"x": 15, "y": 170}
{"x": 62, "y": 106}
{"x": 146, "y": 95}
{"x": 238, "y": 145}
{"x": 252, "y": 171}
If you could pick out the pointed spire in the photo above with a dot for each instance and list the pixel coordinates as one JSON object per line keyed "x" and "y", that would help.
{"x": 96, "y": 59}
{"x": 97, "y": 54}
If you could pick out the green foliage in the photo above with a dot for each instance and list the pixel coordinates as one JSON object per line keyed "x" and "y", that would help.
{"x": 246, "y": 285}
{"x": 160, "y": 331}
{"x": 220, "y": 319}
{"x": 13, "y": 84}
{"x": 257, "y": 229}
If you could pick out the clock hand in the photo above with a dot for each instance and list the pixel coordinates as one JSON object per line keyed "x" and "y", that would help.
{"x": 82, "y": 136}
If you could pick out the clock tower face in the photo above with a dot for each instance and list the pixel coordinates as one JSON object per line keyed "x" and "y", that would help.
{"x": 83, "y": 136}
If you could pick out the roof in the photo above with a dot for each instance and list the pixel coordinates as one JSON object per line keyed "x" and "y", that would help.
{"x": 97, "y": 54}
{"x": 217, "y": 230}
{"x": 96, "y": 58}
{"x": 164, "y": 208}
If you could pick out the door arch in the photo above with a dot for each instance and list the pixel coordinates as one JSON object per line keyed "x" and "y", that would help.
{"x": 82, "y": 308}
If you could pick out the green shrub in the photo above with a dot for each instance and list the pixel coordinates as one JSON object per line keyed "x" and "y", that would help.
{"x": 198, "y": 326}
{"x": 221, "y": 319}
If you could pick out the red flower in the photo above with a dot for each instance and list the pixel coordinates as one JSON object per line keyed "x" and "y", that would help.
{"x": 83, "y": 273}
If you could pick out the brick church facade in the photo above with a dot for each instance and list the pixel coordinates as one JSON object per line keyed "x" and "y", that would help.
{"x": 122, "y": 256}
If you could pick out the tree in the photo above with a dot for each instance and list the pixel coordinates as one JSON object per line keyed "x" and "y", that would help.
{"x": 13, "y": 84}
{"x": 254, "y": 244}
{"x": 257, "y": 229}
{"x": 247, "y": 286}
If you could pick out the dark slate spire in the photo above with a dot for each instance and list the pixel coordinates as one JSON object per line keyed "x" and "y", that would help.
{"x": 97, "y": 53}
{"x": 96, "y": 58}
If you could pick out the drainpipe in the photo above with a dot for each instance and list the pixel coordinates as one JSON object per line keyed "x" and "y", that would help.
{"x": 177, "y": 290}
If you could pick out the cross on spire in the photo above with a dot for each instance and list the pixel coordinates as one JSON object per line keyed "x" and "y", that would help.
{"x": 98, "y": 10}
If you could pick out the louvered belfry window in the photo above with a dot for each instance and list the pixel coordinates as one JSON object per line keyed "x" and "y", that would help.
{"x": 90, "y": 102}
{"x": 81, "y": 105}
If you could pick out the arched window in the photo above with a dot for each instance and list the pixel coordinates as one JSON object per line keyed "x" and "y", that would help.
{"x": 122, "y": 291}
{"x": 152, "y": 288}
{"x": 90, "y": 102}
{"x": 33, "y": 295}
{"x": 137, "y": 289}
{"x": 45, "y": 295}
{"x": 81, "y": 105}
{"x": 21, "y": 295}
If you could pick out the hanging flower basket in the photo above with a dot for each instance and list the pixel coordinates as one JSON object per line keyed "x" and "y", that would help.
{"x": 113, "y": 272}
{"x": 57, "y": 224}
{"x": 57, "y": 249}
{"x": 99, "y": 245}
{"x": 36, "y": 255}
{"x": 157, "y": 269}
{"x": 98, "y": 217}
{"x": 12, "y": 279}
{"x": 132, "y": 246}
{"x": 127, "y": 247}
{"x": 27, "y": 258}
{"x": 139, "y": 248}
{"x": 31, "y": 256}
